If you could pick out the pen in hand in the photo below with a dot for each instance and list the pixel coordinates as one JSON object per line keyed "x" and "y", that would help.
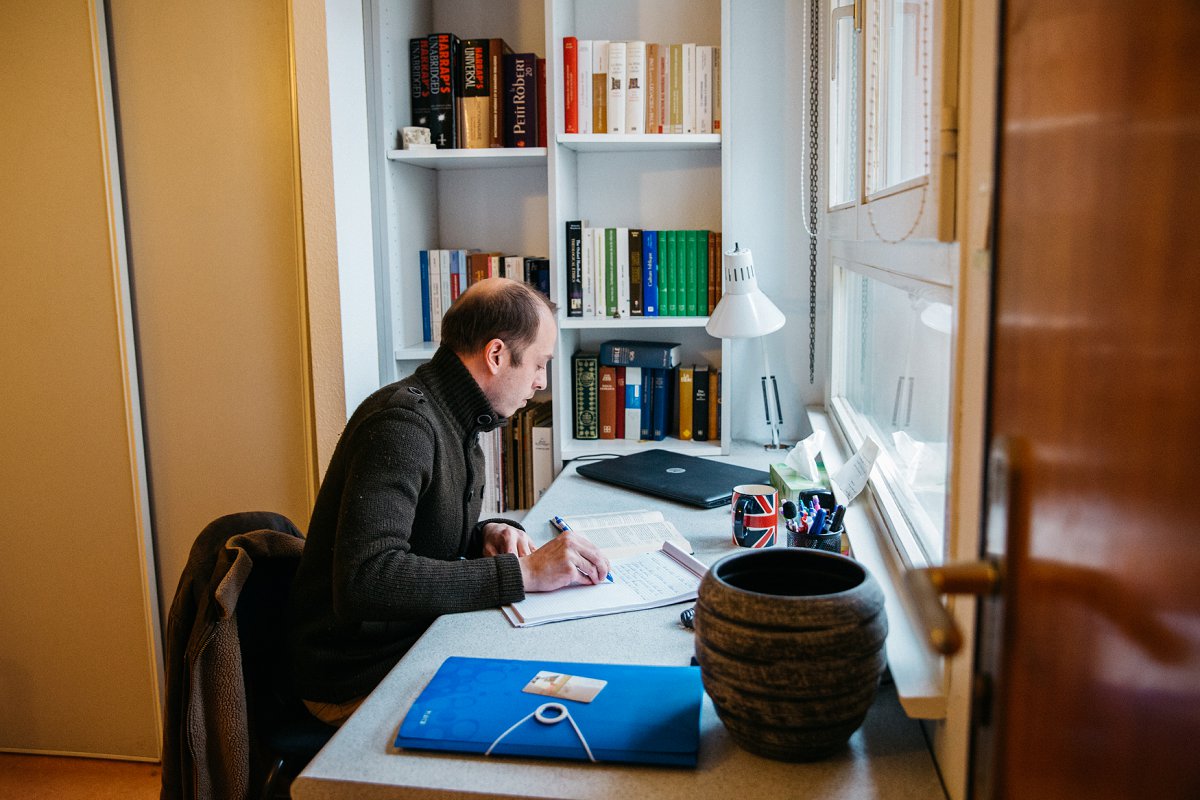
{"x": 563, "y": 527}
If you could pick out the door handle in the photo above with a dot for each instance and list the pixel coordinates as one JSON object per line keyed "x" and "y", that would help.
{"x": 979, "y": 578}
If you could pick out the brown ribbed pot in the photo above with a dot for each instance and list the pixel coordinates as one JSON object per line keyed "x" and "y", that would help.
{"x": 790, "y": 646}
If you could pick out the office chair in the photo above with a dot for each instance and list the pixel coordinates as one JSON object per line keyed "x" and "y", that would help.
{"x": 226, "y": 737}
{"x": 284, "y": 737}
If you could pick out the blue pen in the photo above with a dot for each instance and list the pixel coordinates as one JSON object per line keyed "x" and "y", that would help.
{"x": 818, "y": 523}
{"x": 563, "y": 527}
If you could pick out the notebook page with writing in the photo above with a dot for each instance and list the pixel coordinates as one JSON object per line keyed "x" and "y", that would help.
{"x": 649, "y": 580}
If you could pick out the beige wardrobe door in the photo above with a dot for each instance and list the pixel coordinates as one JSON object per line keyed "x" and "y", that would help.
{"x": 80, "y": 657}
{"x": 209, "y": 154}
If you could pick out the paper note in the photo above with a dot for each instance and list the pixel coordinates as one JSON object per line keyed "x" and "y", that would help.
{"x": 852, "y": 477}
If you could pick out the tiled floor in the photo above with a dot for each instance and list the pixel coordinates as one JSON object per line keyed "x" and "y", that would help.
{"x": 52, "y": 777}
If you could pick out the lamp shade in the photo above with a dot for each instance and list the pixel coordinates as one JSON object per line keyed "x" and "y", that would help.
{"x": 744, "y": 311}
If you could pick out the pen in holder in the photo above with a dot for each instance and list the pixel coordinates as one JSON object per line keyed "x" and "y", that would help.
{"x": 822, "y": 532}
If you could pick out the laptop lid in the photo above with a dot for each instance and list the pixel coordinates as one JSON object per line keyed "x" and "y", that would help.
{"x": 675, "y": 476}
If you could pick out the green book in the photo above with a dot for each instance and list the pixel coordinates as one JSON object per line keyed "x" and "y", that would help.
{"x": 680, "y": 273}
{"x": 672, "y": 263}
{"x": 702, "y": 254}
{"x": 664, "y": 274}
{"x": 689, "y": 278}
{"x": 585, "y": 368}
{"x": 610, "y": 272}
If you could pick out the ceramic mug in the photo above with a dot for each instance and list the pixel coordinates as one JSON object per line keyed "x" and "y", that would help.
{"x": 755, "y": 514}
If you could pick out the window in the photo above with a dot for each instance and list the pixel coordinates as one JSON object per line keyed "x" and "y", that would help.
{"x": 843, "y": 105}
{"x": 892, "y": 279}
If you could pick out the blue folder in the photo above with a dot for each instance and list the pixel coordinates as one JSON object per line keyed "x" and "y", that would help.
{"x": 644, "y": 715}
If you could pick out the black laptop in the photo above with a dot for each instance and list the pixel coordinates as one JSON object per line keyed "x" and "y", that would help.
{"x": 687, "y": 479}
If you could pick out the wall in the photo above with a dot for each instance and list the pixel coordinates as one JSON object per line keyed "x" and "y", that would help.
{"x": 79, "y": 648}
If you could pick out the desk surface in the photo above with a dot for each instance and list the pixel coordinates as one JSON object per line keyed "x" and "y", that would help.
{"x": 887, "y": 757}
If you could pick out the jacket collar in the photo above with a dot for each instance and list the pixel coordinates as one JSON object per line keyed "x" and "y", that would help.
{"x": 455, "y": 389}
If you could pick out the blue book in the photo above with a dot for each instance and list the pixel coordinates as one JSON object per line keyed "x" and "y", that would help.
{"x": 426, "y": 323}
{"x": 650, "y": 273}
{"x": 647, "y": 403}
{"x": 640, "y": 714}
{"x": 659, "y": 404}
{"x": 633, "y": 403}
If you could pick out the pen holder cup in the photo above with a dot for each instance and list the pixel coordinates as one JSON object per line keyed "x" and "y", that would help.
{"x": 830, "y": 541}
{"x": 790, "y": 648}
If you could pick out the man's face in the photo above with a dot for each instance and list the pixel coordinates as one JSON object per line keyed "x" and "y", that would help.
{"x": 515, "y": 384}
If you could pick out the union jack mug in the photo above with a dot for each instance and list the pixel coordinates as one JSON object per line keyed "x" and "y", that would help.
{"x": 755, "y": 514}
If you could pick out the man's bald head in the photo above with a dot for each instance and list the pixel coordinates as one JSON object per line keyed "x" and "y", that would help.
{"x": 495, "y": 308}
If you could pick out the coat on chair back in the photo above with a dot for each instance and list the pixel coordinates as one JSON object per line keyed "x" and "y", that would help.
{"x": 207, "y": 735}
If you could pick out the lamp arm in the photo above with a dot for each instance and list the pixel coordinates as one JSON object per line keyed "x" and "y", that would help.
{"x": 774, "y": 424}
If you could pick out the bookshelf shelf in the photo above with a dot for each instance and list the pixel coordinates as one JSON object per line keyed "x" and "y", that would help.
{"x": 491, "y": 158}
{"x": 632, "y": 143}
{"x": 579, "y": 448}
{"x": 618, "y": 325}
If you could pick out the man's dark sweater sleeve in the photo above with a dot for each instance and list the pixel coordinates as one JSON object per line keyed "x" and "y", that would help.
{"x": 376, "y": 575}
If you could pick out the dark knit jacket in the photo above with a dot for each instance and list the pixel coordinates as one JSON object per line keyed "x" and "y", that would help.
{"x": 393, "y": 542}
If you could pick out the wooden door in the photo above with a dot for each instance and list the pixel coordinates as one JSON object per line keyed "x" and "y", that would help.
{"x": 1095, "y": 390}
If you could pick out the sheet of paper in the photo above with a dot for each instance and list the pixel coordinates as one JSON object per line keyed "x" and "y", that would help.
{"x": 586, "y": 522}
{"x": 852, "y": 477}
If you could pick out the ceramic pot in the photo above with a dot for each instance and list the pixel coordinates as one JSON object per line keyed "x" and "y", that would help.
{"x": 790, "y": 646}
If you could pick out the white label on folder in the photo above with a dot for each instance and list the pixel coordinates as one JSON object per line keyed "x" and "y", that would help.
{"x": 566, "y": 687}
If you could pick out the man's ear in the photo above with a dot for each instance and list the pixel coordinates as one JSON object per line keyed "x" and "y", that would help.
{"x": 492, "y": 355}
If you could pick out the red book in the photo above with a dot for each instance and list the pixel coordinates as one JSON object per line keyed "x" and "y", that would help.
{"x": 570, "y": 84}
{"x": 619, "y": 405}
{"x": 541, "y": 102}
{"x": 607, "y": 394}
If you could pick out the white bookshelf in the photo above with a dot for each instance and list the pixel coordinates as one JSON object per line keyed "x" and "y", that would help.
{"x": 519, "y": 201}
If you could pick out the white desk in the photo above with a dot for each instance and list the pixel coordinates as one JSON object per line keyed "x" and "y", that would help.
{"x": 887, "y": 757}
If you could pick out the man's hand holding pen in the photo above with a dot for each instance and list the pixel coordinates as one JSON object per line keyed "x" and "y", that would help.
{"x": 569, "y": 558}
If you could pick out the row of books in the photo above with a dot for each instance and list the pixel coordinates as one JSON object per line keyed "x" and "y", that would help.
{"x": 640, "y": 87}
{"x": 619, "y": 401}
{"x": 445, "y": 274}
{"x": 518, "y": 460}
{"x": 474, "y": 93}
{"x": 624, "y": 272}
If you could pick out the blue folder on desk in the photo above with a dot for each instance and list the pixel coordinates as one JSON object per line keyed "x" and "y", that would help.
{"x": 643, "y": 715}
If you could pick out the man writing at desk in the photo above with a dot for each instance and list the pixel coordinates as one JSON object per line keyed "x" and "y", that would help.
{"x": 393, "y": 542}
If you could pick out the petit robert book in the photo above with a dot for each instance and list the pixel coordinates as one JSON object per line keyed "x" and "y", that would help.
{"x": 507, "y": 707}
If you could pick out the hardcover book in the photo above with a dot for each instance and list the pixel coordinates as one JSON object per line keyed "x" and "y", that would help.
{"x": 426, "y": 320}
{"x": 647, "y": 424}
{"x": 635, "y": 272}
{"x": 685, "y": 393}
{"x": 443, "y": 93}
{"x": 633, "y": 403}
{"x": 632, "y": 353}
{"x": 652, "y": 90}
{"x": 635, "y": 87}
{"x": 570, "y": 84}
{"x": 689, "y": 88}
{"x": 541, "y": 102}
{"x": 619, "y": 409}
{"x": 497, "y": 50}
{"x": 623, "y": 299}
{"x": 607, "y": 394}
{"x": 584, "y": 369}
{"x": 675, "y": 98}
{"x": 644, "y": 714}
{"x": 520, "y": 100}
{"x": 575, "y": 268}
{"x": 650, "y": 273}
{"x": 418, "y": 64}
{"x": 475, "y": 104}
{"x": 616, "y": 87}
{"x": 660, "y": 404}
{"x": 610, "y": 272}
{"x": 585, "y": 85}
{"x": 599, "y": 86}
{"x": 700, "y": 404}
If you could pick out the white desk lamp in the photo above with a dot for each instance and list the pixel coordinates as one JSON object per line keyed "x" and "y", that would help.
{"x": 746, "y": 313}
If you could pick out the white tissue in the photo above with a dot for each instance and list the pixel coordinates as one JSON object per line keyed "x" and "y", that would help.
{"x": 803, "y": 457}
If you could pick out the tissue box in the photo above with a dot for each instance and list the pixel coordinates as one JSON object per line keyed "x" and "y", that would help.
{"x": 792, "y": 487}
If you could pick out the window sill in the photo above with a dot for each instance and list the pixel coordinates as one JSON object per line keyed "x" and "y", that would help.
{"x": 917, "y": 672}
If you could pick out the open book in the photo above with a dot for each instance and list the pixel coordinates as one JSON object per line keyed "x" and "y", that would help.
{"x": 659, "y": 578}
{"x": 626, "y": 533}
